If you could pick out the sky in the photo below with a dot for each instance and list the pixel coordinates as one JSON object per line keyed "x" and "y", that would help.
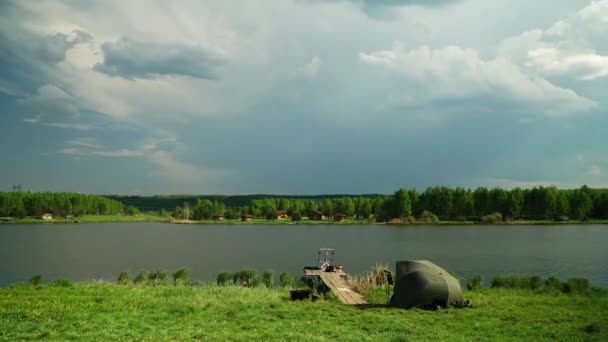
{"x": 302, "y": 96}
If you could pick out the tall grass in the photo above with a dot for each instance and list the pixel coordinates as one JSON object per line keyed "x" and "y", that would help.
{"x": 35, "y": 280}
{"x": 376, "y": 276}
{"x": 535, "y": 283}
{"x": 285, "y": 280}
{"x": 124, "y": 278}
{"x": 268, "y": 279}
{"x": 181, "y": 277}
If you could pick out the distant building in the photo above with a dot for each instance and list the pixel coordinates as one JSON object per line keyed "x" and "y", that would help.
{"x": 316, "y": 215}
{"x": 247, "y": 217}
{"x": 218, "y": 217}
{"x": 282, "y": 215}
{"x": 47, "y": 216}
{"x": 339, "y": 217}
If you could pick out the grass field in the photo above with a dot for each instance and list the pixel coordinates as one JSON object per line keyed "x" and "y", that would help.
{"x": 109, "y": 312}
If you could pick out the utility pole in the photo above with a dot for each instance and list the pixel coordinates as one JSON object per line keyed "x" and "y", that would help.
{"x": 16, "y": 188}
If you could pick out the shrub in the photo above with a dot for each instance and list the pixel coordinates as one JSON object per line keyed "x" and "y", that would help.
{"x": 474, "y": 283}
{"x": 285, "y": 280}
{"x": 428, "y": 217}
{"x": 533, "y": 283}
{"x": 224, "y": 278}
{"x": 296, "y": 216}
{"x": 142, "y": 278}
{"x": 35, "y": 280}
{"x": 181, "y": 277}
{"x": 576, "y": 286}
{"x": 508, "y": 281}
{"x": 493, "y": 218}
{"x": 124, "y": 278}
{"x": 247, "y": 278}
{"x": 268, "y": 279}
{"x": 553, "y": 283}
{"x": 63, "y": 282}
{"x": 159, "y": 277}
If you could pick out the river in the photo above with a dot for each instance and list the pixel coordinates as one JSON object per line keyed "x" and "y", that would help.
{"x": 102, "y": 251}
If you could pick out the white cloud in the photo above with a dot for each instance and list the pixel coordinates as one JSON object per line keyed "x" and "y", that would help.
{"x": 158, "y": 152}
{"x": 453, "y": 73}
{"x": 66, "y": 125}
{"x": 581, "y": 65}
{"x": 568, "y": 48}
{"x": 34, "y": 119}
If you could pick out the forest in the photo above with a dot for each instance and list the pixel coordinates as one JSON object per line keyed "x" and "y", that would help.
{"x": 432, "y": 204}
{"x": 22, "y": 204}
{"x": 435, "y": 203}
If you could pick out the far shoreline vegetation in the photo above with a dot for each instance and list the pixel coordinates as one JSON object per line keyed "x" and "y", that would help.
{"x": 435, "y": 205}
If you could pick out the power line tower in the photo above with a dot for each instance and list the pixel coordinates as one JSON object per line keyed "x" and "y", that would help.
{"x": 17, "y": 188}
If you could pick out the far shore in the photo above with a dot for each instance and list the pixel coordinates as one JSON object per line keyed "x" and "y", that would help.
{"x": 262, "y": 221}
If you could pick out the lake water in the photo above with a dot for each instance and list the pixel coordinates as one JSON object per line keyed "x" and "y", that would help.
{"x": 102, "y": 251}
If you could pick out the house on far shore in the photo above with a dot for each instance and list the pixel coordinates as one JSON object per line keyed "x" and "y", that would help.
{"x": 218, "y": 217}
{"x": 339, "y": 217}
{"x": 47, "y": 216}
{"x": 247, "y": 217}
{"x": 316, "y": 215}
{"x": 282, "y": 215}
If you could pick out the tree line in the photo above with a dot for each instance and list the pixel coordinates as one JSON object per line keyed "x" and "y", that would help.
{"x": 538, "y": 203}
{"x": 22, "y": 204}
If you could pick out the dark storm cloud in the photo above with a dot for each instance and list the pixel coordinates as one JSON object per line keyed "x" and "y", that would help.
{"x": 28, "y": 59}
{"x": 131, "y": 59}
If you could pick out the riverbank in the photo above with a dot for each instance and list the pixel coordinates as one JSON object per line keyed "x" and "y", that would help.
{"x": 262, "y": 221}
{"x": 104, "y": 311}
{"x": 88, "y": 219}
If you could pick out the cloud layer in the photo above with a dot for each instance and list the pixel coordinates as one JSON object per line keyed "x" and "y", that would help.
{"x": 303, "y": 96}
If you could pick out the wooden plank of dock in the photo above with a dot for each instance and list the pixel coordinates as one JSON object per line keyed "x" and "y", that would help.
{"x": 337, "y": 284}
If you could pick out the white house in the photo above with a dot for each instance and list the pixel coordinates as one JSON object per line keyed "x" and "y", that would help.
{"x": 47, "y": 217}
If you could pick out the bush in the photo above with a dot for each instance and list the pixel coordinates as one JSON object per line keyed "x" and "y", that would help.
{"x": 246, "y": 278}
{"x": 428, "y": 217}
{"x": 493, "y": 218}
{"x": 159, "y": 277}
{"x": 508, "y": 281}
{"x": 142, "y": 278}
{"x": 268, "y": 279}
{"x": 296, "y": 216}
{"x": 553, "y": 283}
{"x": 131, "y": 211}
{"x": 576, "y": 286}
{"x": 224, "y": 278}
{"x": 63, "y": 282}
{"x": 533, "y": 283}
{"x": 35, "y": 280}
{"x": 285, "y": 280}
{"x": 474, "y": 283}
{"x": 124, "y": 278}
{"x": 181, "y": 277}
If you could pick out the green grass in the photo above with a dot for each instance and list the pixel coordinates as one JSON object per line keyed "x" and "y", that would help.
{"x": 105, "y": 312}
{"x": 348, "y": 221}
{"x": 94, "y": 219}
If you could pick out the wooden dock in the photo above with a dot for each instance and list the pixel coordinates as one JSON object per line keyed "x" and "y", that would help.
{"x": 336, "y": 282}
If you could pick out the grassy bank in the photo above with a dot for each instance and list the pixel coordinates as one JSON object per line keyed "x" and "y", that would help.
{"x": 101, "y": 311}
{"x": 91, "y": 219}
{"x": 348, "y": 221}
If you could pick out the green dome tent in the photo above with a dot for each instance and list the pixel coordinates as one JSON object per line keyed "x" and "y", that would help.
{"x": 421, "y": 283}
